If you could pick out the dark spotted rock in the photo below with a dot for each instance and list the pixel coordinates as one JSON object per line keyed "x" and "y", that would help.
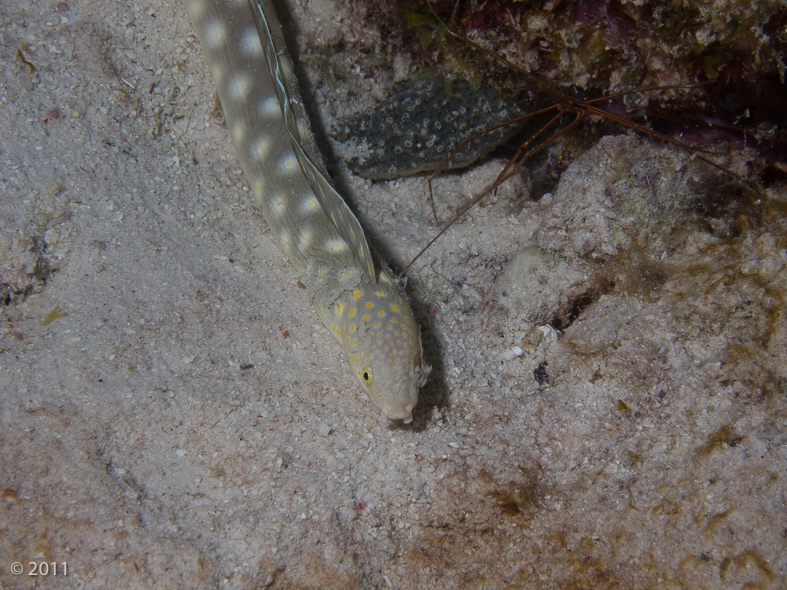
{"x": 417, "y": 129}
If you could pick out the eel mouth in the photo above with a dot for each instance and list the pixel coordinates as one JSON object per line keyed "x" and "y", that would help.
{"x": 405, "y": 415}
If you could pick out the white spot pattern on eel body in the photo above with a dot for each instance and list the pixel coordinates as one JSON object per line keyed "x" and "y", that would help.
{"x": 239, "y": 87}
{"x": 215, "y": 34}
{"x": 269, "y": 107}
{"x": 310, "y": 205}
{"x": 288, "y": 164}
{"x": 334, "y": 245}
{"x": 238, "y": 132}
{"x": 306, "y": 237}
{"x": 250, "y": 43}
{"x": 260, "y": 148}
{"x": 278, "y": 205}
{"x": 364, "y": 310}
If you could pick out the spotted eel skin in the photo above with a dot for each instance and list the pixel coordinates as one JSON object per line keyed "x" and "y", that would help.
{"x": 415, "y": 130}
{"x": 362, "y": 306}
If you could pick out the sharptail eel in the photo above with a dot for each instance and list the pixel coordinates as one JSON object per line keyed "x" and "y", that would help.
{"x": 360, "y": 304}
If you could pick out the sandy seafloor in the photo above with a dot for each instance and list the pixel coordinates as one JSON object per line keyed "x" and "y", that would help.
{"x": 190, "y": 424}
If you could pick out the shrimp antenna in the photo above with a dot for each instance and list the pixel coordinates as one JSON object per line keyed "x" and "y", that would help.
{"x": 564, "y": 104}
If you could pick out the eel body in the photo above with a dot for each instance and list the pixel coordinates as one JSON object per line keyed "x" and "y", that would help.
{"x": 361, "y": 305}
